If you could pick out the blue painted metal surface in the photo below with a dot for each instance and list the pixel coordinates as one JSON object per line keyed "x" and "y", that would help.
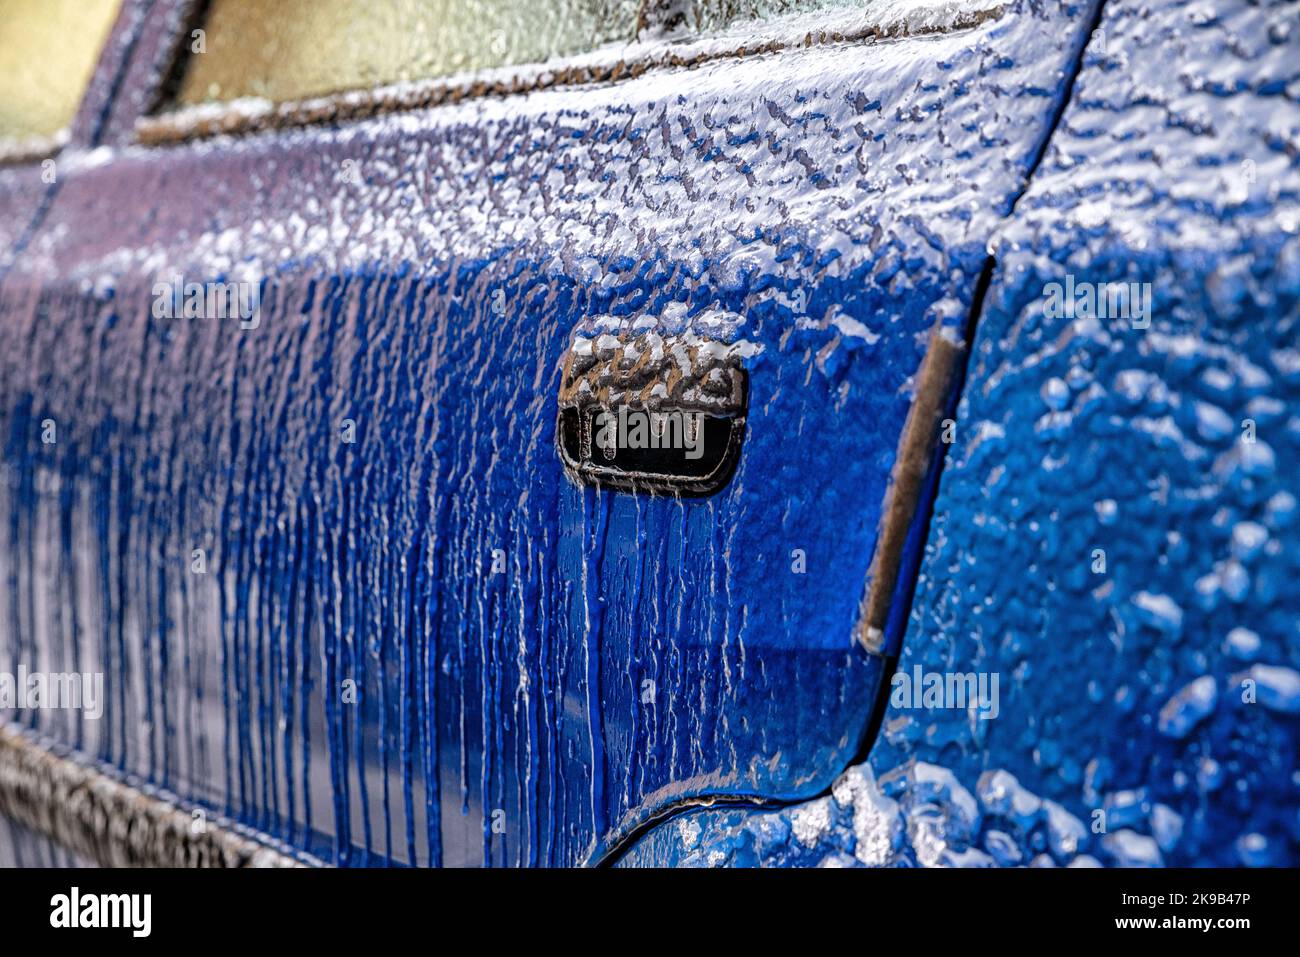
{"x": 22, "y": 847}
{"x": 1150, "y": 701}
{"x": 831, "y": 206}
{"x": 21, "y": 193}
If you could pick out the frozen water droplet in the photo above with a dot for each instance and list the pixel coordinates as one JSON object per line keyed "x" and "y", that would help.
{"x": 1188, "y": 707}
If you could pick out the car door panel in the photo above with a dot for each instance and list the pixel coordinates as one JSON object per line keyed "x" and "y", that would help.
{"x": 415, "y": 638}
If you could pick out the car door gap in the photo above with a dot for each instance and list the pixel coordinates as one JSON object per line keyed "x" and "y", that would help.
{"x": 929, "y": 498}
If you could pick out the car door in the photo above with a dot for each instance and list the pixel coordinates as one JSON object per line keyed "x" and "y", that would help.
{"x": 326, "y": 335}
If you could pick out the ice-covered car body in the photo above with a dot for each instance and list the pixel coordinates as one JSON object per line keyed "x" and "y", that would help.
{"x": 999, "y": 302}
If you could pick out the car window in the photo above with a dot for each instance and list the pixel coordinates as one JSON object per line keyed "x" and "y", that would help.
{"x": 294, "y": 49}
{"x": 49, "y": 49}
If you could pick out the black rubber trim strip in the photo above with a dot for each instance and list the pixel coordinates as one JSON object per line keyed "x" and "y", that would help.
{"x": 102, "y": 817}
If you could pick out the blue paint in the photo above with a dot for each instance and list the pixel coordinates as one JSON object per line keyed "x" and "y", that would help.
{"x": 1149, "y": 712}
{"x": 22, "y": 847}
{"x": 839, "y": 203}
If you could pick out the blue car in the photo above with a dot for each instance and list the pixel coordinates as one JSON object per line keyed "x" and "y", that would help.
{"x": 751, "y": 433}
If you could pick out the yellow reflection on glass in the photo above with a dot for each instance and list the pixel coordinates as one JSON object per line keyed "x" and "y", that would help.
{"x": 291, "y": 49}
{"x": 48, "y": 51}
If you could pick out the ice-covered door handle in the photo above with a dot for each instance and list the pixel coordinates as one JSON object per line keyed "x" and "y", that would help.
{"x": 652, "y": 413}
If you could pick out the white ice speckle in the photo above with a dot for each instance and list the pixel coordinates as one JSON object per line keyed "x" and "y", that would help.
{"x": 811, "y": 821}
